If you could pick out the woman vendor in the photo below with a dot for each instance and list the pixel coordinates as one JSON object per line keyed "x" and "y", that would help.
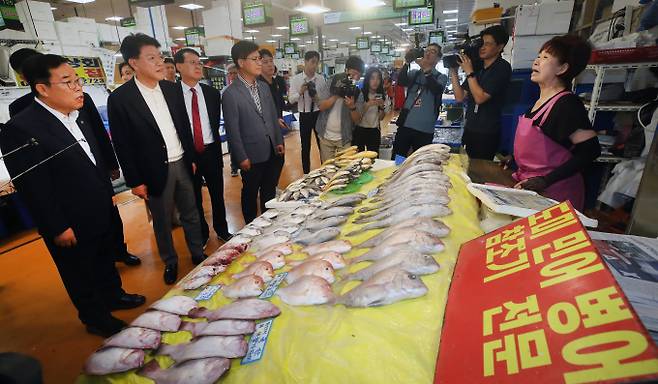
{"x": 554, "y": 140}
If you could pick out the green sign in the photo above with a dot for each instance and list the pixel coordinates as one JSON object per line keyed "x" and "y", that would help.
{"x": 128, "y": 22}
{"x": 289, "y": 48}
{"x": 437, "y": 37}
{"x": 362, "y": 42}
{"x": 9, "y": 16}
{"x": 421, "y": 16}
{"x": 401, "y": 4}
{"x": 299, "y": 25}
{"x": 193, "y": 36}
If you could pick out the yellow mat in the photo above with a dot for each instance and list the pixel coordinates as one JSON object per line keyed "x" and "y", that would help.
{"x": 396, "y": 343}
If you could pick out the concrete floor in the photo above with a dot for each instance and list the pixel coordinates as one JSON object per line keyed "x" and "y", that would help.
{"x": 35, "y": 312}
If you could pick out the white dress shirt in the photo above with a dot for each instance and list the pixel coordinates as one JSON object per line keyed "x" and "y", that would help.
{"x": 304, "y": 100}
{"x": 71, "y": 125}
{"x": 158, "y": 106}
{"x": 203, "y": 111}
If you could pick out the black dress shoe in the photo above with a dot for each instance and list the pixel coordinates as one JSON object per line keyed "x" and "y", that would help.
{"x": 127, "y": 301}
{"x": 225, "y": 237}
{"x": 198, "y": 260}
{"x": 106, "y": 328}
{"x": 170, "y": 274}
{"x": 130, "y": 259}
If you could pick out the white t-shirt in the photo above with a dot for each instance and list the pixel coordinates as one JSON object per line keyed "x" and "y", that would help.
{"x": 333, "y": 131}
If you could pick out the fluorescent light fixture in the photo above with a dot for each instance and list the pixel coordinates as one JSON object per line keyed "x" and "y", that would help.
{"x": 179, "y": 39}
{"x": 367, "y": 33}
{"x": 404, "y": 45}
{"x": 345, "y": 42}
{"x": 179, "y": 27}
{"x": 333, "y": 40}
{"x": 450, "y": 20}
{"x": 282, "y": 28}
{"x": 82, "y": 1}
{"x": 353, "y": 45}
{"x": 114, "y": 18}
{"x": 270, "y": 41}
{"x": 312, "y": 9}
{"x": 53, "y": 8}
{"x": 449, "y": 11}
{"x": 309, "y": 41}
{"x": 376, "y": 37}
{"x": 354, "y": 28}
{"x": 295, "y": 39}
{"x": 191, "y": 6}
{"x": 252, "y": 31}
{"x": 400, "y": 24}
{"x": 301, "y": 45}
{"x": 118, "y": 54}
{"x": 407, "y": 29}
{"x": 276, "y": 35}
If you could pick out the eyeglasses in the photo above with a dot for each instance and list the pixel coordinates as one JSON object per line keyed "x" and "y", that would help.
{"x": 255, "y": 59}
{"x": 72, "y": 84}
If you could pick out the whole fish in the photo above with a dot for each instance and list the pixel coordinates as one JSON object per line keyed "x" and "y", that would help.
{"x": 317, "y": 224}
{"x": 113, "y": 360}
{"x": 249, "y": 232}
{"x": 304, "y": 210}
{"x": 262, "y": 269}
{"x": 247, "y": 309}
{"x": 404, "y": 236}
{"x": 240, "y": 247}
{"x": 309, "y": 238}
{"x": 347, "y": 201}
{"x": 261, "y": 222}
{"x": 229, "y": 347}
{"x": 393, "y": 210}
{"x": 222, "y": 257}
{"x": 336, "y": 260}
{"x": 157, "y": 320}
{"x": 425, "y": 224}
{"x": 332, "y": 212}
{"x": 270, "y": 214}
{"x": 307, "y": 290}
{"x": 286, "y": 230}
{"x": 340, "y": 246}
{"x": 385, "y": 287}
{"x": 414, "y": 169}
{"x": 239, "y": 239}
{"x": 200, "y": 371}
{"x": 382, "y": 251}
{"x": 275, "y": 258}
{"x": 423, "y": 177}
{"x": 247, "y": 286}
{"x": 284, "y": 248}
{"x": 417, "y": 182}
{"x": 179, "y": 305}
{"x": 417, "y": 198}
{"x": 270, "y": 240}
{"x": 431, "y": 187}
{"x": 201, "y": 277}
{"x": 320, "y": 268}
{"x": 134, "y": 337}
{"x": 423, "y": 210}
{"x": 408, "y": 260}
{"x": 220, "y": 328}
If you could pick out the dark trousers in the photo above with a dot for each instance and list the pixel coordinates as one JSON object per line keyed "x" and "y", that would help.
{"x": 120, "y": 246}
{"x": 407, "y": 139}
{"x": 89, "y": 275}
{"x": 307, "y": 122}
{"x": 261, "y": 178}
{"x": 209, "y": 166}
{"x": 367, "y": 139}
{"x": 481, "y": 145}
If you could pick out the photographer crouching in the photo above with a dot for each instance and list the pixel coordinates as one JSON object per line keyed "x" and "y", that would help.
{"x": 484, "y": 90}
{"x": 423, "y": 102}
{"x": 338, "y": 111}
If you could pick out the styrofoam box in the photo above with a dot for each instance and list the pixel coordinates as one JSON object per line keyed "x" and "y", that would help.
{"x": 86, "y": 27}
{"x": 525, "y": 49}
{"x": 125, "y": 31}
{"x": 554, "y": 17}
{"x": 525, "y": 22}
{"x": 44, "y": 29}
{"x": 89, "y": 38}
{"x": 68, "y": 32}
{"x": 81, "y": 20}
{"x": 37, "y": 9}
{"x": 107, "y": 33}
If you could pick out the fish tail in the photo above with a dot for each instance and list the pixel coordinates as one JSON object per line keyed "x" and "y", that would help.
{"x": 150, "y": 369}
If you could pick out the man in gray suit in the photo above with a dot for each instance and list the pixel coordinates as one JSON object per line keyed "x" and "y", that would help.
{"x": 252, "y": 127}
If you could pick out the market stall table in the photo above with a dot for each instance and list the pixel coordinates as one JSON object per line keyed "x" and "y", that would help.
{"x": 486, "y": 171}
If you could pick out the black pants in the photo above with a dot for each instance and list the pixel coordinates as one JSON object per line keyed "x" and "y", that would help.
{"x": 89, "y": 275}
{"x": 120, "y": 246}
{"x": 367, "y": 139}
{"x": 209, "y": 166}
{"x": 481, "y": 145}
{"x": 307, "y": 122}
{"x": 261, "y": 178}
{"x": 407, "y": 139}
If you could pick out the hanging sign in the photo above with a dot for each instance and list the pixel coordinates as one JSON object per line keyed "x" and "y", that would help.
{"x": 89, "y": 69}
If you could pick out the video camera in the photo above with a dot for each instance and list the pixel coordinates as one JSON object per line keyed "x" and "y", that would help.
{"x": 470, "y": 47}
{"x": 310, "y": 87}
{"x": 345, "y": 87}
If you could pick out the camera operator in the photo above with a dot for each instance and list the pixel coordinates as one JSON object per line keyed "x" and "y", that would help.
{"x": 304, "y": 91}
{"x": 338, "y": 111}
{"x": 424, "y": 97}
{"x": 484, "y": 91}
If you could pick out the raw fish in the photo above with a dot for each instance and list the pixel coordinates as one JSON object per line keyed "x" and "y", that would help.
{"x": 340, "y": 246}
{"x": 386, "y": 287}
{"x": 332, "y": 212}
{"x": 159, "y": 321}
{"x": 404, "y": 236}
{"x": 249, "y": 231}
{"x": 275, "y": 258}
{"x": 266, "y": 241}
{"x": 408, "y": 260}
{"x": 222, "y": 257}
{"x": 201, "y": 277}
{"x": 382, "y": 251}
{"x": 247, "y": 309}
{"x": 416, "y": 198}
{"x": 240, "y": 247}
{"x": 262, "y": 269}
{"x": 285, "y": 248}
{"x": 349, "y": 200}
{"x": 179, "y": 305}
{"x": 200, "y": 371}
{"x": 336, "y": 260}
{"x": 239, "y": 239}
{"x": 229, "y": 347}
{"x": 134, "y": 337}
{"x": 320, "y": 268}
{"x": 220, "y": 328}
{"x": 306, "y": 237}
{"x": 317, "y": 224}
{"x": 409, "y": 213}
{"x": 425, "y": 224}
{"x": 112, "y": 360}
{"x": 247, "y": 286}
{"x": 307, "y": 290}
{"x": 261, "y": 222}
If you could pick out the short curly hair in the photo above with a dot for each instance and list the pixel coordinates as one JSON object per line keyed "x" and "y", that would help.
{"x": 571, "y": 50}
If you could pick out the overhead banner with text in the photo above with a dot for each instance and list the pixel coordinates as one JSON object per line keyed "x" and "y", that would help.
{"x": 533, "y": 302}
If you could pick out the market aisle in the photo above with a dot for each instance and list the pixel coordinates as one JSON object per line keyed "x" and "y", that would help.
{"x": 35, "y": 312}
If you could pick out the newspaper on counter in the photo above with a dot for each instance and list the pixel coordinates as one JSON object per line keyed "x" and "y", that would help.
{"x": 633, "y": 261}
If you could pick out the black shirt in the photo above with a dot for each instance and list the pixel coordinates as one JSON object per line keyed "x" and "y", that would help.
{"x": 567, "y": 116}
{"x": 278, "y": 90}
{"x": 494, "y": 81}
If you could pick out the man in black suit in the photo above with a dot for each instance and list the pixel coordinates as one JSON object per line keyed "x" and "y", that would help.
{"x": 17, "y": 61}
{"x": 252, "y": 125}
{"x": 202, "y": 104}
{"x": 155, "y": 148}
{"x": 63, "y": 181}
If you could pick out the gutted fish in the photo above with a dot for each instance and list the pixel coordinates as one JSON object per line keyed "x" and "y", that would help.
{"x": 320, "y": 268}
{"x": 229, "y": 347}
{"x": 159, "y": 321}
{"x": 200, "y": 371}
{"x": 135, "y": 337}
{"x": 247, "y": 286}
{"x": 307, "y": 290}
{"x": 179, "y": 305}
{"x": 247, "y": 309}
{"x": 220, "y": 328}
{"x": 385, "y": 287}
{"x": 113, "y": 360}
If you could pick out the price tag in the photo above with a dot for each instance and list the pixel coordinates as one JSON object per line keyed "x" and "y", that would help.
{"x": 273, "y": 286}
{"x": 208, "y": 292}
{"x": 257, "y": 342}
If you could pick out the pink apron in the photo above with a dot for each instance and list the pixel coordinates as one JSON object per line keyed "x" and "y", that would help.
{"x": 538, "y": 155}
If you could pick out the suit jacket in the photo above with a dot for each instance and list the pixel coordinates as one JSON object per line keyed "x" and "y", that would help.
{"x": 213, "y": 104}
{"x": 95, "y": 121}
{"x": 251, "y": 135}
{"x": 67, "y": 191}
{"x": 138, "y": 142}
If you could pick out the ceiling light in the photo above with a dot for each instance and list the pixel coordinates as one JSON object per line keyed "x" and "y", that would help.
{"x": 295, "y": 39}
{"x": 114, "y": 18}
{"x": 301, "y": 45}
{"x": 270, "y": 41}
{"x": 82, "y": 1}
{"x": 353, "y": 45}
{"x": 53, "y": 8}
{"x": 369, "y": 3}
{"x": 191, "y": 6}
{"x": 281, "y": 28}
{"x": 404, "y": 45}
{"x": 344, "y": 42}
{"x": 333, "y": 40}
{"x": 449, "y": 11}
{"x": 276, "y": 35}
{"x": 407, "y": 29}
{"x": 354, "y": 28}
{"x": 367, "y": 33}
{"x": 179, "y": 39}
{"x": 118, "y": 54}
{"x": 252, "y": 31}
{"x": 400, "y": 24}
{"x": 312, "y": 8}
{"x": 179, "y": 27}
{"x": 450, "y": 20}
{"x": 309, "y": 41}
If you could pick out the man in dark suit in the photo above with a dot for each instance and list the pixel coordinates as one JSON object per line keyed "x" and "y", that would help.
{"x": 254, "y": 137}
{"x": 17, "y": 61}
{"x": 63, "y": 180}
{"x": 155, "y": 148}
{"x": 202, "y": 104}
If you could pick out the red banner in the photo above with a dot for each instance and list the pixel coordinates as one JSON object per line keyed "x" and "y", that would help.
{"x": 533, "y": 302}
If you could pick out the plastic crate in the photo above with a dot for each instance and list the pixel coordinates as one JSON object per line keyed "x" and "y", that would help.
{"x": 624, "y": 55}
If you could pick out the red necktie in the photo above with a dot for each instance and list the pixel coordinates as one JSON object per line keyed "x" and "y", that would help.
{"x": 196, "y": 123}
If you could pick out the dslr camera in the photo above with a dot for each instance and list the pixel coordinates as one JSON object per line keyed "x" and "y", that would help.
{"x": 470, "y": 47}
{"x": 345, "y": 87}
{"x": 310, "y": 87}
